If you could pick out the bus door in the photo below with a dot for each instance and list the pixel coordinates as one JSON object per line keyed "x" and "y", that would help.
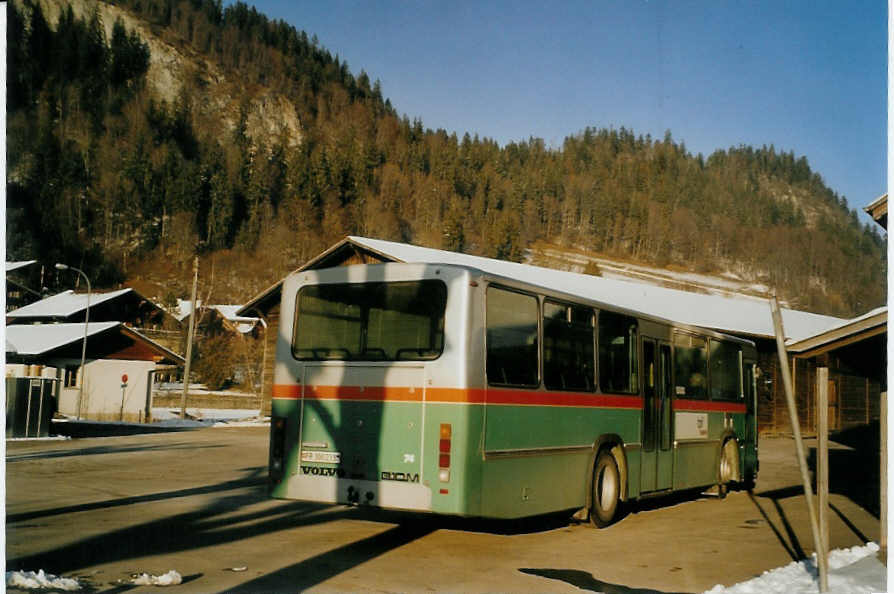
{"x": 657, "y": 454}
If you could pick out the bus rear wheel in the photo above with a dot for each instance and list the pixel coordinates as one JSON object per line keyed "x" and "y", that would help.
{"x": 606, "y": 490}
{"x": 729, "y": 467}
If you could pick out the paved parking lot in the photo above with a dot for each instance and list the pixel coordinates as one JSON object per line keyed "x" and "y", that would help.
{"x": 103, "y": 509}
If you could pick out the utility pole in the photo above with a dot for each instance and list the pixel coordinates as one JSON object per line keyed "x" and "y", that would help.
{"x": 821, "y": 559}
{"x": 189, "y": 336}
{"x": 83, "y": 369}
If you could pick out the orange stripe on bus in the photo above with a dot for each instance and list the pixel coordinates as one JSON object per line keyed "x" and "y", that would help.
{"x": 457, "y": 395}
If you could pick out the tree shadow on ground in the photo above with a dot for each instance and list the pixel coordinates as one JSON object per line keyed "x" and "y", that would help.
{"x": 789, "y": 541}
{"x": 224, "y": 520}
{"x": 96, "y": 505}
{"x": 586, "y": 581}
{"x": 527, "y": 525}
{"x": 854, "y": 470}
{"x": 99, "y": 450}
{"x": 315, "y": 570}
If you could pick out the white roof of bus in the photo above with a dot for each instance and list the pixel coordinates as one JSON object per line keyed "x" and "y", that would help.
{"x": 726, "y": 314}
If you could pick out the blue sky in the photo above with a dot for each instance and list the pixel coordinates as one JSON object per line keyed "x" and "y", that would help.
{"x": 803, "y": 76}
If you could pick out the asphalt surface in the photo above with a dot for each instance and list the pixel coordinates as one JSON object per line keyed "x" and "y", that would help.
{"x": 104, "y": 509}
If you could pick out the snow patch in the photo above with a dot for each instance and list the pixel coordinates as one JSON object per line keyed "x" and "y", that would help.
{"x": 29, "y": 580}
{"x": 205, "y": 417}
{"x": 851, "y": 571}
{"x": 171, "y": 578}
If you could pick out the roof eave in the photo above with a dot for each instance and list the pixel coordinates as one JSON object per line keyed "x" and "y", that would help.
{"x": 272, "y": 289}
{"x": 861, "y": 326}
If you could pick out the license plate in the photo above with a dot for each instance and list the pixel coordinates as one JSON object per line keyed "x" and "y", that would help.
{"x": 324, "y": 457}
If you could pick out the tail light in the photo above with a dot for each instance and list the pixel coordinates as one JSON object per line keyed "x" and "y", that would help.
{"x": 277, "y": 448}
{"x": 444, "y": 447}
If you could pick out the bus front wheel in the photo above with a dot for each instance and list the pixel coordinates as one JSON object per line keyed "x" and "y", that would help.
{"x": 606, "y": 490}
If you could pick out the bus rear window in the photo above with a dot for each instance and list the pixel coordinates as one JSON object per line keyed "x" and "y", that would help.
{"x": 399, "y": 321}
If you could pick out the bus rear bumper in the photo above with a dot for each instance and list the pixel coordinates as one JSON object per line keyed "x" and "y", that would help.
{"x": 385, "y": 494}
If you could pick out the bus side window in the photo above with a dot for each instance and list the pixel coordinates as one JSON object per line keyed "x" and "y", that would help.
{"x": 568, "y": 338}
{"x": 725, "y": 379}
{"x": 618, "y": 363}
{"x": 690, "y": 366}
{"x": 512, "y": 346}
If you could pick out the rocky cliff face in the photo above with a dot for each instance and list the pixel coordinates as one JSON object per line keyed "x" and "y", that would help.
{"x": 174, "y": 66}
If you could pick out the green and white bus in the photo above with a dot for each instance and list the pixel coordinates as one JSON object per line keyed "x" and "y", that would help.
{"x": 446, "y": 389}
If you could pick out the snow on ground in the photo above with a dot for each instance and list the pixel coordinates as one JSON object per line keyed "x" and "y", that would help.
{"x": 45, "y": 438}
{"x": 198, "y": 389}
{"x": 171, "y": 578}
{"x": 725, "y": 283}
{"x": 29, "y": 580}
{"x": 205, "y": 417}
{"x": 851, "y": 571}
{"x": 195, "y": 417}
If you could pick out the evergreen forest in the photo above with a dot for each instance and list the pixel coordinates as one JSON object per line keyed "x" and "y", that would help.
{"x": 106, "y": 175}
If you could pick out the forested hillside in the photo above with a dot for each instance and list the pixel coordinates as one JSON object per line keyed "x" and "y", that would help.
{"x": 129, "y": 178}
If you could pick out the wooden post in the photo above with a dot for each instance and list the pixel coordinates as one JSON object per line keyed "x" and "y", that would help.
{"x": 883, "y": 476}
{"x": 822, "y": 456}
{"x": 799, "y": 444}
{"x": 189, "y": 336}
{"x": 868, "y": 417}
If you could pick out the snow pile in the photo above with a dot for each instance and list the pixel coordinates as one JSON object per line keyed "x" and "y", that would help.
{"x": 851, "y": 571}
{"x": 171, "y": 578}
{"x": 29, "y": 580}
{"x": 45, "y": 438}
{"x": 207, "y": 417}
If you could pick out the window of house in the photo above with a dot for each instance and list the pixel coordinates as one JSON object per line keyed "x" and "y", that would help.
{"x": 71, "y": 376}
{"x": 618, "y": 363}
{"x": 512, "y": 347}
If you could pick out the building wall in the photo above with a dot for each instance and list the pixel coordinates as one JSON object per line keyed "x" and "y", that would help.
{"x": 103, "y": 391}
{"x": 854, "y": 398}
{"x": 269, "y": 338}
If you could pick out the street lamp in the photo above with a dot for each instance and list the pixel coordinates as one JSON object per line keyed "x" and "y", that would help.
{"x": 84, "y": 345}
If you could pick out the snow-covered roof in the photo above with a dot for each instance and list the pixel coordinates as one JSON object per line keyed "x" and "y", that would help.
{"x": 726, "y": 314}
{"x": 10, "y": 266}
{"x": 883, "y": 199}
{"x": 38, "y": 339}
{"x": 184, "y": 308}
{"x": 64, "y": 304}
{"x": 230, "y": 313}
{"x": 868, "y": 324}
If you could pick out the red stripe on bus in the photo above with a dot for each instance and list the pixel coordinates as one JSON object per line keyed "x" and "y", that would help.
{"x": 708, "y": 406}
{"x": 458, "y": 395}
{"x": 536, "y": 398}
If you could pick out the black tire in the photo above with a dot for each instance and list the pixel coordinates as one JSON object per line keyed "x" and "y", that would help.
{"x": 606, "y": 491}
